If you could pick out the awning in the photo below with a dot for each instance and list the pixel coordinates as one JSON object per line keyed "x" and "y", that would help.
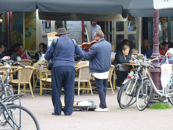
{"x": 80, "y": 6}
{"x": 82, "y": 10}
{"x": 18, "y": 5}
{"x": 145, "y": 8}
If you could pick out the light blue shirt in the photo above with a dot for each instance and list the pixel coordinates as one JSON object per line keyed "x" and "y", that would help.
{"x": 93, "y": 30}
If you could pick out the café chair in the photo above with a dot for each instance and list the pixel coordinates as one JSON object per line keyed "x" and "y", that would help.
{"x": 24, "y": 78}
{"x": 45, "y": 81}
{"x": 36, "y": 75}
{"x": 83, "y": 77}
{"x": 25, "y": 62}
{"x": 110, "y": 77}
{"x": 3, "y": 68}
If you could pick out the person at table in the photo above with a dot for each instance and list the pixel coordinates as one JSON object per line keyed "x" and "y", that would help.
{"x": 122, "y": 57}
{"x": 63, "y": 71}
{"x": 124, "y": 42}
{"x": 39, "y": 56}
{"x": 2, "y": 48}
{"x": 22, "y": 53}
{"x": 164, "y": 48}
{"x": 169, "y": 57}
{"x": 133, "y": 51}
{"x": 145, "y": 46}
{"x": 99, "y": 58}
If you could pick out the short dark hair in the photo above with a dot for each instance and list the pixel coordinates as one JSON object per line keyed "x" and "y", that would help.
{"x": 42, "y": 44}
{"x": 16, "y": 45}
{"x": 1, "y": 45}
{"x": 164, "y": 43}
{"x": 125, "y": 40}
{"x": 20, "y": 45}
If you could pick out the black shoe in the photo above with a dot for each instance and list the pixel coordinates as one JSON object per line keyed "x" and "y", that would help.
{"x": 56, "y": 114}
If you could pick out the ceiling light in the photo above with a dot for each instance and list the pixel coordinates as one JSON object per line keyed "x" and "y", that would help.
{"x": 1, "y": 19}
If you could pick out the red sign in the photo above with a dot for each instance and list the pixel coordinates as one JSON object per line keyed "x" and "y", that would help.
{"x": 47, "y": 21}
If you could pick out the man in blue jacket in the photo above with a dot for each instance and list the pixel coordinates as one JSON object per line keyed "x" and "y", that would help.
{"x": 99, "y": 57}
{"x": 63, "y": 71}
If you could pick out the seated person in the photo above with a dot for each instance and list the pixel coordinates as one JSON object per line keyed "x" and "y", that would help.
{"x": 169, "y": 57}
{"x": 145, "y": 46}
{"x": 22, "y": 53}
{"x": 164, "y": 48}
{"x": 133, "y": 51}
{"x": 42, "y": 50}
{"x": 2, "y": 48}
{"x": 122, "y": 57}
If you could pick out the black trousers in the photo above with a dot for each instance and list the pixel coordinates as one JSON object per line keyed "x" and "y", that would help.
{"x": 120, "y": 77}
{"x": 63, "y": 76}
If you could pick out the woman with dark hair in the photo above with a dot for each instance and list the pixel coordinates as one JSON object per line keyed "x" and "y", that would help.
{"x": 22, "y": 54}
{"x": 42, "y": 50}
{"x": 164, "y": 48}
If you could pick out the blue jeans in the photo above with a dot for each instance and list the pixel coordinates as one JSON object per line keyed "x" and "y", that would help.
{"x": 101, "y": 85}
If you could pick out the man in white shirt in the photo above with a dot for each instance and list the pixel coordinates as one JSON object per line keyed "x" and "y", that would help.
{"x": 94, "y": 28}
{"x": 99, "y": 57}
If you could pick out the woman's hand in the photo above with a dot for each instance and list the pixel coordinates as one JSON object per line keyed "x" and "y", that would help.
{"x": 131, "y": 61}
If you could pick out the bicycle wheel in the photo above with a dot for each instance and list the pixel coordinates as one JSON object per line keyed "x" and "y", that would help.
{"x": 143, "y": 95}
{"x": 126, "y": 95}
{"x": 170, "y": 99}
{"x": 28, "y": 120}
{"x": 118, "y": 95}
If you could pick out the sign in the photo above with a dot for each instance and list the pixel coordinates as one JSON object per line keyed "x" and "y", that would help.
{"x": 163, "y": 4}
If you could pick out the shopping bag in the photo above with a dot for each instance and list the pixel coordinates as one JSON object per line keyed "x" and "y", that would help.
{"x": 166, "y": 71}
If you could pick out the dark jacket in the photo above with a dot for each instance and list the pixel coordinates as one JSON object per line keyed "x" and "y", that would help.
{"x": 99, "y": 57}
{"x": 119, "y": 58}
{"x": 37, "y": 55}
{"x": 66, "y": 55}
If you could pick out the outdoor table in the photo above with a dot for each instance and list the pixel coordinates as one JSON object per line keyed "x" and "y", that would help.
{"x": 135, "y": 64}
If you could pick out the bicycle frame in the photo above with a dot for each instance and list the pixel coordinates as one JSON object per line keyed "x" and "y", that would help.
{"x": 162, "y": 92}
{"x": 4, "y": 109}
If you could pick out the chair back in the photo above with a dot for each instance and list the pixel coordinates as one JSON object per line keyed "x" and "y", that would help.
{"x": 111, "y": 72}
{"x": 24, "y": 74}
{"x": 3, "y": 68}
{"x": 25, "y": 62}
{"x": 84, "y": 73}
{"x": 37, "y": 69}
{"x": 82, "y": 63}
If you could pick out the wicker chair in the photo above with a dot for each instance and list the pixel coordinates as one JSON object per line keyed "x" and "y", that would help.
{"x": 84, "y": 77}
{"x": 110, "y": 77}
{"x": 36, "y": 75}
{"x": 45, "y": 81}
{"x": 3, "y": 68}
{"x": 25, "y": 62}
{"x": 24, "y": 78}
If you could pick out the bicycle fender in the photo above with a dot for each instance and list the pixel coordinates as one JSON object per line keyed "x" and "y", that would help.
{"x": 125, "y": 81}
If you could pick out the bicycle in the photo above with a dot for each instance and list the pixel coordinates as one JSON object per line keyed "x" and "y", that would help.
{"x": 12, "y": 115}
{"x": 144, "y": 92}
{"x": 17, "y": 117}
{"x": 6, "y": 88}
{"x": 127, "y": 94}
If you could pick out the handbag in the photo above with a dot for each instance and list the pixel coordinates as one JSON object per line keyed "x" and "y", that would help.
{"x": 123, "y": 67}
{"x": 51, "y": 61}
